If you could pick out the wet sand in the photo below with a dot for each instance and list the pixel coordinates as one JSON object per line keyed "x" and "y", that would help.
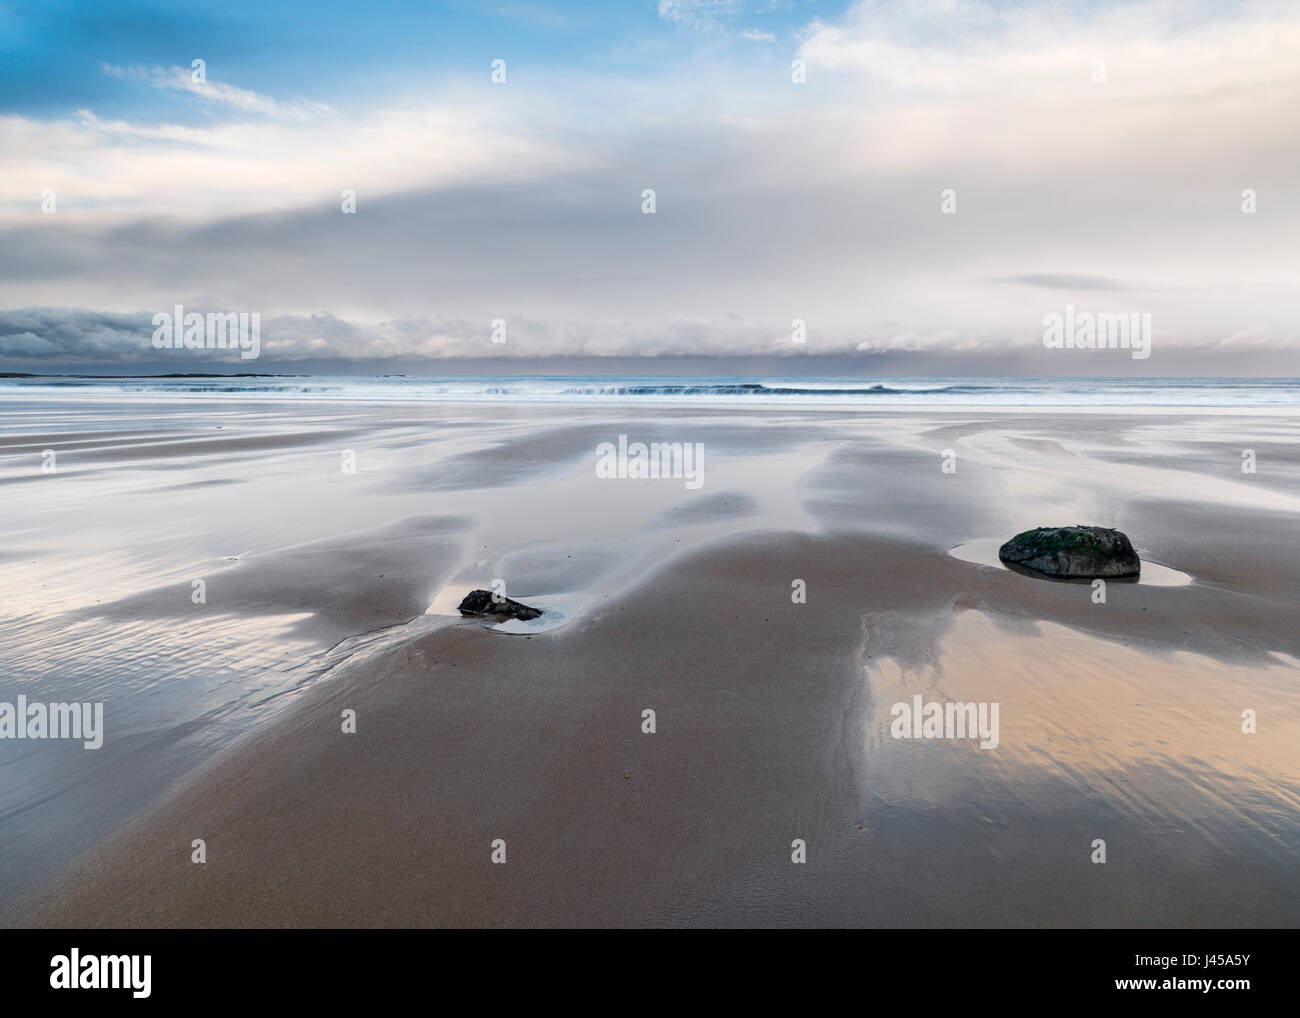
{"x": 326, "y": 592}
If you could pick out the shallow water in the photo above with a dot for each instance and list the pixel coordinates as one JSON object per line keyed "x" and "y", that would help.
{"x": 307, "y": 565}
{"x": 984, "y": 552}
{"x": 557, "y": 610}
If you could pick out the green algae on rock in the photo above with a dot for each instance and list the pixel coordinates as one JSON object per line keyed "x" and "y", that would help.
{"x": 1080, "y": 551}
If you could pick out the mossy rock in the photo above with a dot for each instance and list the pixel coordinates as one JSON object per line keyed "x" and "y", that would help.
{"x": 1078, "y": 552}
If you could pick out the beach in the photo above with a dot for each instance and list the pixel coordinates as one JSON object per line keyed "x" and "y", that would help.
{"x": 770, "y": 618}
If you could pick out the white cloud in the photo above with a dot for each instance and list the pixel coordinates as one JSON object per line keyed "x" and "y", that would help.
{"x": 182, "y": 80}
{"x": 114, "y": 170}
{"x": 975, "y": 51}
{"x": 698, "y": 14}
{"x": 774, "y": 202}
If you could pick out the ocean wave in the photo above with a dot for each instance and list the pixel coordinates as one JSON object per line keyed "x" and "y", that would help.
{"x": 760, "y": 389}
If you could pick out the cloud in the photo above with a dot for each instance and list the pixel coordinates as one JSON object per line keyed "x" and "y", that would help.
{"x": 62, "y": 335}
{"x": 974, "y": 50}
{"x": 115, "y": 170}
{"x": 183, "y": 80}
{"x": 774, "y": 201}
{"x": 754, "y": 35}
{"x": 1066, "y": 281}
{"x": 56, "y": 340}
{"x": 702, "y": 15}
{"x": 70, "y": 334}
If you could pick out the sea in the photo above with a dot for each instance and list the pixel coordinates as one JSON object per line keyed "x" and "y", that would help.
{"x": 837, "y": 392}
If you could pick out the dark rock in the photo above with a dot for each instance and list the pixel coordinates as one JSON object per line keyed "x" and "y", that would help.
{"x": 479, "y": 602}
{"x": 1074, "y": 552}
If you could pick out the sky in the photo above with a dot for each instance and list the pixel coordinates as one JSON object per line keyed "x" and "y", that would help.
{"x": 918, "y": 183}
